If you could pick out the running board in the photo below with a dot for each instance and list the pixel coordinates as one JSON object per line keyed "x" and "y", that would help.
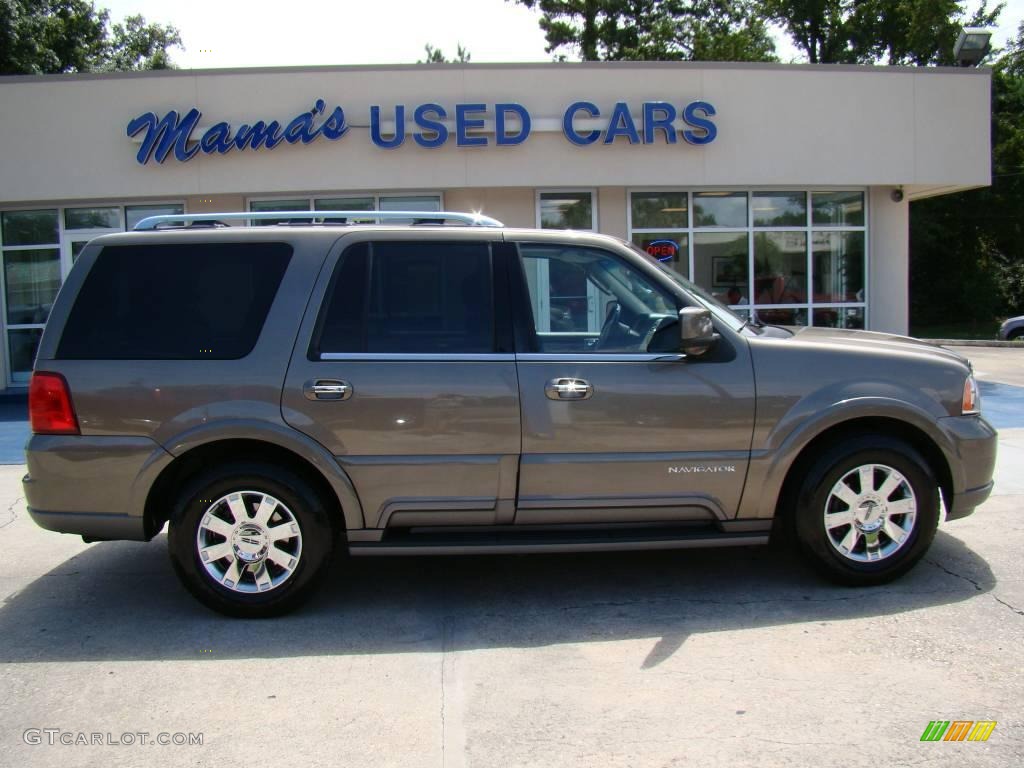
{"x": 505, "y": 543}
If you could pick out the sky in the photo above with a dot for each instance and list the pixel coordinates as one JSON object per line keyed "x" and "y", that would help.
{"x": 255, "y": 33}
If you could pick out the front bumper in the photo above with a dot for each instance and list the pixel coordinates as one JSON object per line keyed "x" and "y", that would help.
{"x": 974, "y": 442}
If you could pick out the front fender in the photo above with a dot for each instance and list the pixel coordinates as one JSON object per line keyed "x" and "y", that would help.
{"x": 770, "y": 464}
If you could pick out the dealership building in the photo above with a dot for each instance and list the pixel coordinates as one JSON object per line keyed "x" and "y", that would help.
{"x": 782, "y": 189}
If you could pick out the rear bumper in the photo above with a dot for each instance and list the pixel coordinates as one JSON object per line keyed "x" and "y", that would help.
{"x": 94, "y": 486}
{"x": 91, "y": 525}
{"x": 975, "y": 442}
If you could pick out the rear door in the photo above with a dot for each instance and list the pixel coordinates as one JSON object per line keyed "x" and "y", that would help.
{"x": 617, "y": 426}
{"x": 406, "y": 372}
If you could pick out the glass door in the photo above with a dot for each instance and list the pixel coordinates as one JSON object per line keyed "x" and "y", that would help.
{"x": 32, "y": 276}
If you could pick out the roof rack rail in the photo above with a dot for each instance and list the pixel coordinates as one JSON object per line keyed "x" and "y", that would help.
{"x": 152, "y": 223}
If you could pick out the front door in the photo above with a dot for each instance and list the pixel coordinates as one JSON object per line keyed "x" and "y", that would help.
{"x": 616, "y": 426}
{"x": 407, "y": 375}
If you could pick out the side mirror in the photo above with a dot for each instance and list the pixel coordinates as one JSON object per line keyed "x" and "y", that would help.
{"x": 696, "y": 331}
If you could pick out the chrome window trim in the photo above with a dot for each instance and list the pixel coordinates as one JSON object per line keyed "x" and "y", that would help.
{"x": 599, "y": 357}
{"x": 528, "y": 357}
{"x": 437, "y": 357}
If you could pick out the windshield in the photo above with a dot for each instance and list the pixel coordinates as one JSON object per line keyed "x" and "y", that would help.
{"x": 718, "y": 309}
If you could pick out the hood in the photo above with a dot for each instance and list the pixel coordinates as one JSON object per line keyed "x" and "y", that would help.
{"x": 874, "y": 340}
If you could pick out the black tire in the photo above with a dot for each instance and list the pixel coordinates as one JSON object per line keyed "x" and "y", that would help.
{"x": 836, "y": 463}
{"x": 1014, "y": 335}
{"x": 314, "y": 545}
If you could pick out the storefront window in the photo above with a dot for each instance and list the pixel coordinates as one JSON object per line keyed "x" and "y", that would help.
{"x": 721, "y": 265}
{"x": 659, "y": 210}
{"x": 23, "y": 344}
{"x": 133, "y": 214}
{"x": 566, "y": 210}
{"x": 801, "y": 256}
{"x": 92, "y": 218}
{"x": 30, "y": 227}
{"x": 31, "y": 281}
{"x": 780, "y": 209}
{"x": 838, "y": 209}
{"x": 670, "y": 248}
{"x": 360, "y": 203}
{"x": 838, "y": 267}
{"x": 410, "y": 203}
{"x": 780, "y": 268}
{"x": 839, "y": 317}
{"x": 264, "y": 206}
{"x": 720, "y": 209}
{"x": 336, "y": 204}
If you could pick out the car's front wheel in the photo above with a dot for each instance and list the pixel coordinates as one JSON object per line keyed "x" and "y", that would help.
{"x": 250, "y": 539}
{"x": 867, "y": 510}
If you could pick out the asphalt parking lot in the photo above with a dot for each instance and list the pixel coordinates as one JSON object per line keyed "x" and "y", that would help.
{"x": 718, "y": 657}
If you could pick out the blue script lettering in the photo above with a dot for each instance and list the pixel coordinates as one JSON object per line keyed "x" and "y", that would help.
{"x": 164, "y": 135}
{"x": 174, "y": 133}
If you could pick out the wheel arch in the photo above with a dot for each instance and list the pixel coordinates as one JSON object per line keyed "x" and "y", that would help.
{"x": 887, "y": 426}
{"x": 337, "y": 491}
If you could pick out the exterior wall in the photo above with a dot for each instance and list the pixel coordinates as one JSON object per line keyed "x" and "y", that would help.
{"x": 611, "y": 211}
{"x": 214, "y": 203}
{"x": 515, "y": 207}
{"x": 889, "y": 262}
{"x": 777, "y": 125}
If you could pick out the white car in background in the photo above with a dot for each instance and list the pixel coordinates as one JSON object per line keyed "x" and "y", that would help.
{"x": 1013, "y": 328}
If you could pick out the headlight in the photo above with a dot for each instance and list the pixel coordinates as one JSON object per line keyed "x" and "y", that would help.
{"x": 971, "y": 402}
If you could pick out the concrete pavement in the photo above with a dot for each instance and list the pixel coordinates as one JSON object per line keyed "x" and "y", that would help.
{"x": 721, "y": 657}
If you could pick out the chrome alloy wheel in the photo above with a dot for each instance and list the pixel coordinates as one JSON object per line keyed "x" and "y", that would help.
{"x": 870, "y": 513}
{"x": 248, "y": 541}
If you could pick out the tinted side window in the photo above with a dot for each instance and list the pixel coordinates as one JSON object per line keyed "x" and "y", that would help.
{"x": 174, "y": 302}
{"x": 404, "y": 297}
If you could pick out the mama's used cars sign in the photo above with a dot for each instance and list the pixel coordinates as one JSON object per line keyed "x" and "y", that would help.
{"x": 428, "y": 125}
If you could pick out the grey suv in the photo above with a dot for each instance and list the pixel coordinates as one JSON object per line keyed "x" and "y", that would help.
{"x": 275, "y": 393}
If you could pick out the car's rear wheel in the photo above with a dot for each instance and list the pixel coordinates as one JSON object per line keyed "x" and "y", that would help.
{"x": 867, "y": 511}
{"x": 250, "y": 539}
{"x": 1015, "y": 334}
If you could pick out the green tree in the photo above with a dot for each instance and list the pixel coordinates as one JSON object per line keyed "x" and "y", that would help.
{"x": 967, "y": 249}
{"x": 654, "y": 30}
{"x": 137, "y": 45}
{"x": 436, "y": 56}
{"x": 58, "y": 36}
{"x": 915, "y": 32}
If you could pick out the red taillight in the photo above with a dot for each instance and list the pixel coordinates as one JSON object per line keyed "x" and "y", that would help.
{"x": 49, "y": 405}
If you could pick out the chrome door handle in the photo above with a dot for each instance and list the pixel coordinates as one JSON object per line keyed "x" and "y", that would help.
{"x": 568, "y": 389}
{"x": 327, "y": 389}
